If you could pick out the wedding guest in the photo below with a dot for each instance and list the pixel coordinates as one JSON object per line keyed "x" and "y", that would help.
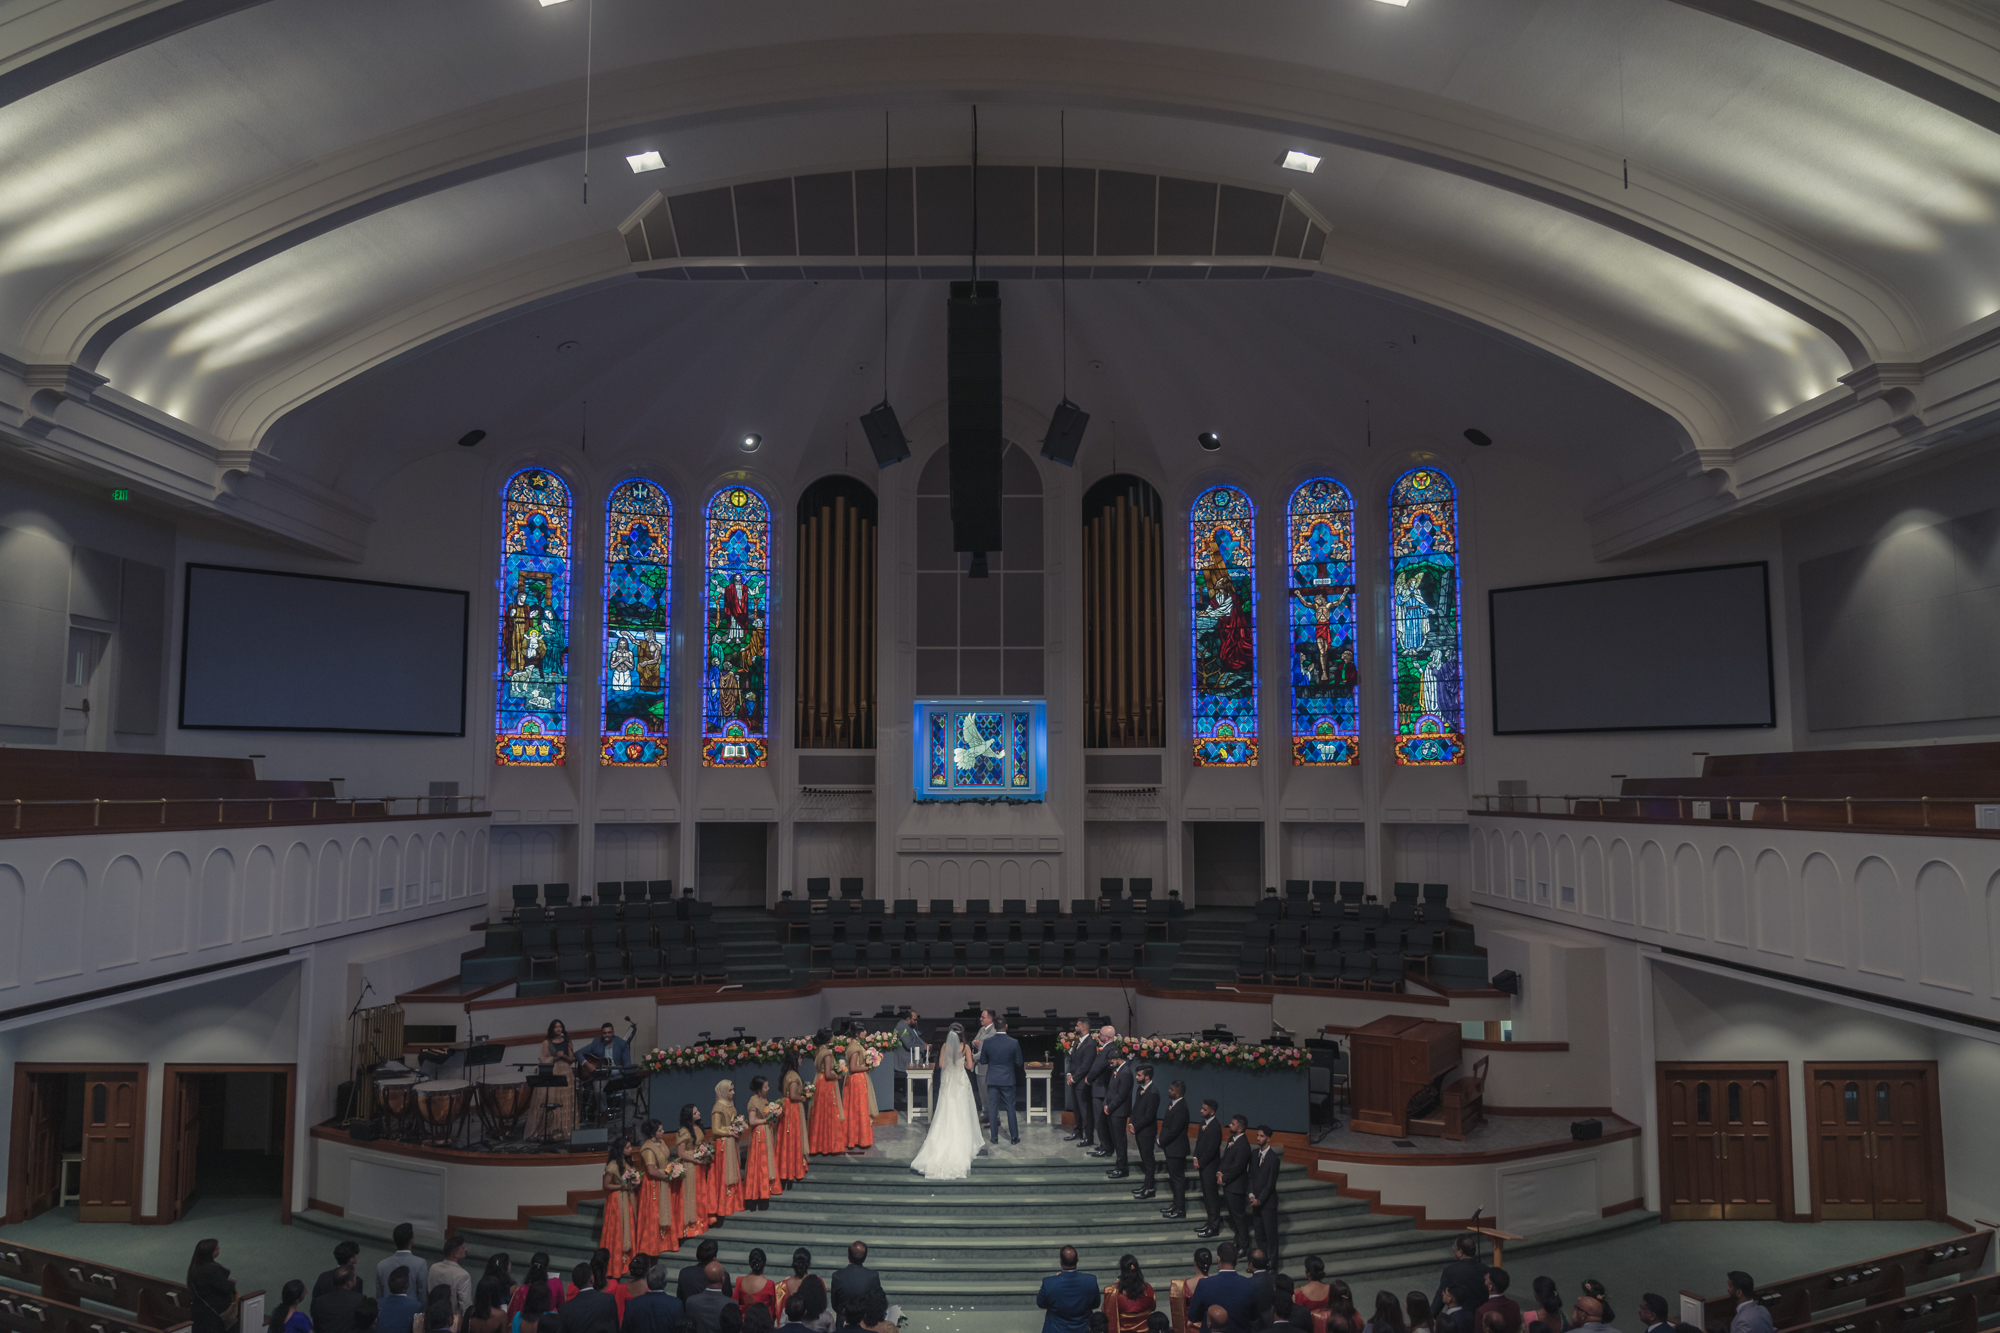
{"x": 1229, "y": 1291}
{"x": 850, "y": 1282}
{"x": 707, "y": 1304}
{"x": 802, "y": 1262}
{"x": 695, "y": 1277}
{"x": 871, "y": 1314}
{"x": 589, "y": 1310}
{"x": 1498, "y": 1302}
{"x": 450, "y": 1272}
{"x": 1548, "y": 1311}
{"x": 538, "y": 1276}
{"x": 1131, "y": 1304}
{"x": 1314, "y": 1293}
{"x": 1068, "y": 1295}
{"x": 753, "y": 1288}
{"x": 537, "y": 1310}
{"x": 655, "y": 1311}
{"x": 333, "y": 1310}
{"x": 1418, "y": 1307}
{"x": 437, "y": 1316}
{"x": 288, "y": 1317}
{"x": 397, "y": 1312}
{"x": 1388, "y": 1314}
{"x": 344, "y": 1255}
{"x": 1181, "y": 1289}
{"x": 402, "y": 1258}
{"x": 1341, "y": 1316}
{"x": 488, "y": 1311}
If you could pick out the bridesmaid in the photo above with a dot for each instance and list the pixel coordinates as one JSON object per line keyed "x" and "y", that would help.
{"x": 728, "y": 1164}
{"x": 859, "y": 1096}
{"x": 620, "y": 1202}
{"x": 829, "y": 1123}
{"x": 793, "y": 1144}
{"x": 689, "y": 1144}
{"x": 658, "y": 1225}
{"x": 760, "y": 1167}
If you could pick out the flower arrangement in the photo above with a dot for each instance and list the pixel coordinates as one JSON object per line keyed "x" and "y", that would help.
{"x": 1221, "y": 1054}
{"x": 704, "y": 1154}
{"x": 686, "y": 1059}
{"x": 877, "y": 1041}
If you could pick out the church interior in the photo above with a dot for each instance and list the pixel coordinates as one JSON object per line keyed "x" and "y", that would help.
{"x": 1421, "y": 563}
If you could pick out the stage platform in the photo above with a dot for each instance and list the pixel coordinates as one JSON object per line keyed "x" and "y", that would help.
{"x": 1019, "y": 1205}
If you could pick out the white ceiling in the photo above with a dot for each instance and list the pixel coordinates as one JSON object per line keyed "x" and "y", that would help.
{"x": 230, "y": 222}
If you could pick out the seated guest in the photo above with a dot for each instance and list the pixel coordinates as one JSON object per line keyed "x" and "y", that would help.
{"x": 1652, "y": 1309}
{"x": 397, "y": 1312}
{"x": 488, "y": 1312}
{"x": 450, "y": 1272}
{"x": 1068, "y": 1296}
{"x": 537, "y": 1314}
{"x": 1418, "y": 1307}
{"x": 1131, "y": 1303}
{"x": 1388, "y": 1316}
{"x": 796, "y": 1315}
{"x": 1497, "y": 1302}
{"x": 538, "y": 1276}
{"x": 694, "y": 1278}
{"x": 753, "y": 1288}
{"x": 870, "y": 1313}
{"x": 1590, "y": 1315}
{"x": 1455, "y": 1312}
{"x": 1341, "y": 1316}
{"x": 655, "y": 1311}
{"x": 1285, "y": 1311}
{"x": 1547, "y": 1316}
{"x": 1750, "y": 1316}
{"x": 850, "y": 1282}
{"x": 589, "y": 1310}
{"x": 1464, "y": 1270}
{"x": 437, "y": 1315}
{"x": 1314, "y": 1293}
{"x": 757, "y": 1319}
{"x": 706, "y": 1305}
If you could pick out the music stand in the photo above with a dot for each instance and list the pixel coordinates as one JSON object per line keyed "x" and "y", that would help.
{"x": 481, "y": 1056}
{"x": 545, "y": 1141}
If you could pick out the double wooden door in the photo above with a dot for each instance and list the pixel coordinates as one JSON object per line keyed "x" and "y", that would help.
{"x": 1875, "y": 1140}
{"x": 1724, "y": 1141}
{"x": 112, "y": 1140}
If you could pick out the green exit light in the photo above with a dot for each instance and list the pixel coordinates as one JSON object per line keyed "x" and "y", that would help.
{"x": 121, "y": 494}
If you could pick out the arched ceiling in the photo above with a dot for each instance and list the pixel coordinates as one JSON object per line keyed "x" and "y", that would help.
{"x": 1771, "y": 223}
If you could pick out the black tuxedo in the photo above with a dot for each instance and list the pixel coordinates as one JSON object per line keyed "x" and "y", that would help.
{"x": 1174, "y": 1147}
{"x": 1235, "y": 1169}
{"x": 1117, "y": 1106}
{"x": 1207, "y": 1161}
{"x": 1146, "y": 1126}
{"x": 1081, "y": 1101}
{"x": 589, "y": 1312}
{"x": 1263, "y": 1181}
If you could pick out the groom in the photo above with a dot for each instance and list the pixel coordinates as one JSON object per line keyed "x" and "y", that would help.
{"x": 1000, "y": 1062}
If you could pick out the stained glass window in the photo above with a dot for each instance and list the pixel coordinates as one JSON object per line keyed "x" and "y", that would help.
{"x": 1325, "y": 666}
{"x": 1424, "y": 619}
{"x": 638, "y": 583}
{"x": 736, "y": 604}
{"x": 980, "y": 749}
{"x": 1222, "y": 587}
{"x": 531, "y": 675}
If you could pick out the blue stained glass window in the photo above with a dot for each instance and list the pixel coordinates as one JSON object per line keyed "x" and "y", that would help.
{"x": 638, "y": 584}
{"x": 1429, "y": 674}
{"x": 531, "y": 673}
{"x": 1222, "y": 589}
{"x": 980, "y": 749}
{"x": 736, "y": 615}
{"x": 1325, "y": 664}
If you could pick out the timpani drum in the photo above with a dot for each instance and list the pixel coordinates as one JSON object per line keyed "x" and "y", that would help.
{"x": 399, "y": 1099}
{"x": 502, "y": 1105}
{"x": 442, "y": 1103}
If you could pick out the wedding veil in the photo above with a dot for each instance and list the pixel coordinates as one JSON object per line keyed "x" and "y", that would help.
{"x": 951, "y": 1056}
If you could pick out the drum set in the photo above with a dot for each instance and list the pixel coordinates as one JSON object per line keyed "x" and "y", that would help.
{"x": 415, "y": 1107}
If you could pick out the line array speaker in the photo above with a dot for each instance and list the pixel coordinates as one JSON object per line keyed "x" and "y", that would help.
{"x": 972, "y": 391}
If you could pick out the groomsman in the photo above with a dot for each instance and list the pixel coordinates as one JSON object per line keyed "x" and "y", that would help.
{"x": 1208, "y": 1168}
{"x": 1118, "y": 1095}
{"x": 1174, "y": 1147}
{"x": 1100, "y": 1080}
{"x": 1146, "y": 1126}
{"x": 1234, "y": 1176}
{"x": 1077, "y": 1075}
{"x": 1263, "y": 1191}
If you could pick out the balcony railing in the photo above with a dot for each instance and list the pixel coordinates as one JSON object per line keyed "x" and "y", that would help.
{"x": 126, "y": 813}
{"x": 1940, "y": 813}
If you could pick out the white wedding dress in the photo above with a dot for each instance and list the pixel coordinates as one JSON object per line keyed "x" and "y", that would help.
{"x": 953, "y": 1139}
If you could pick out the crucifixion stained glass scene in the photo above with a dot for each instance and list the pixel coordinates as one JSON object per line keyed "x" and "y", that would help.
{"x": 531, "y": 677}
{"x": 1326, "y": 709}
{"x": 638, "y": 583}
{"x": 1424, "y": 619}
{"x": 736, "y": 601}
{"x": 1222, "y": 587}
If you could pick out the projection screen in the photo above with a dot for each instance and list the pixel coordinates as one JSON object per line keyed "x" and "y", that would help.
{"x": 268, "y": 651}
{"x": 1684, "y": 648}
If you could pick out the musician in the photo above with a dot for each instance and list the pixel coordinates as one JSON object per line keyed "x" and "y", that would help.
{"x": 609, "y": 1049}
{"x": 555, "y": 1110}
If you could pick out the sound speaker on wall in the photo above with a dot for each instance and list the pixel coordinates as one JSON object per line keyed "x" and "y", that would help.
{"x": 885, "y": 434}
{"x": 1065, "y": 434}
{"x": 972, "y": 393}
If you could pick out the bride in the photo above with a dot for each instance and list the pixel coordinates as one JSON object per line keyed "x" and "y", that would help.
{"x": 953, "y": 1139}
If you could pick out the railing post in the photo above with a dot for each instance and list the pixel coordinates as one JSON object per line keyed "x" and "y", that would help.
{"x": 1924, "y": 804}
{"x": 97, "y": 812}
{"x": 1784, "y": 810}
{"x": 1850, "y": 809}
{"x": 163, "y": 810}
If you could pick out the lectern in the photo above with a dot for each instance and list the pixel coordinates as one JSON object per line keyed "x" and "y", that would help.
{"x": 1396, "y": 1065}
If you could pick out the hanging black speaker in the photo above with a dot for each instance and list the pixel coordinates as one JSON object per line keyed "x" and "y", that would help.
{"x": 972, "y": 392}
{"x": 1065, "y": 434}
{"x": 885, "y": 434}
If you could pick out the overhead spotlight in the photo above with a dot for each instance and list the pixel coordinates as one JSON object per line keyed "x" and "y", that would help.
{"x": 748, "y": 444}
{"x": 1294, "y": 160}
{"x": 650, "y": 160}
{"x": 1065, "y": 433}
{"x": 885, "y": 434}
{"x": 547, "y": 3}
{"x": 1479, "y": 437}
{"x": 1400, "y": 4}
{"x": 470, "y": 438}
{"x": 1209, "y": 440}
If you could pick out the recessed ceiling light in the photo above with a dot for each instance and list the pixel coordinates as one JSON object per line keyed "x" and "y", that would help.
{"x": 1209, "y": 440}
{"x": 1400, "y": 4}
{"x": 748, "y": 444}
{"x": 650, "y": 160}
{"x": 1297, "y": 161}
{"x": 547, "y": 3}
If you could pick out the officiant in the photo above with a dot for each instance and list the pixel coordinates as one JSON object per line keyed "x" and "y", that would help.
{"x": 910, "y": 1051}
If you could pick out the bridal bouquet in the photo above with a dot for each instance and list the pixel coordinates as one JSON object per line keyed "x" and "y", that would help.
{"x": 739, "y": 1126}
{"x": 676, "y": 1173}
{"x": 808, "y": 1090}
{"x": 631, "y": 1179}
{"x": 704, "y": 1154}
{"x": 840, "y": 1068}
{"x": 874, "y": 1059}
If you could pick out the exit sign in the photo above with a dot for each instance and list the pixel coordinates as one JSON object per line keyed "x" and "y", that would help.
{"x": 121, "y": 494}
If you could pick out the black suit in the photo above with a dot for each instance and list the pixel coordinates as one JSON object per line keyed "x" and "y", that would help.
{"x": 651, "y": 1312}
{"x": 691, "y": 1281}
{"x": 1235, "y": 1168}
{"x": 589, "y": 1312}
{"x": 1263, "y": 1179}
{"x": 1146, "y": 1127}
{"x": 333, "y": 1312}
{"x": 1117, "y": 1106}
{"x": 1174, "y": 1147}
{"x": 1467, "y": 1273}
{"x": 1100, "y": 1079}
{"x": 1207, "y": 1161}
{"x": 848, "y": 1286}
{"x": 1080, "y": 1061}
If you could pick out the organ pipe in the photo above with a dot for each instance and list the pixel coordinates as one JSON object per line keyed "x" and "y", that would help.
{"x": 836, "y": 617}
{"x": 1123, "y": 655}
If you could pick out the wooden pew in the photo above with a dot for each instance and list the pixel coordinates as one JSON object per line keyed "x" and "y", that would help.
{"x": 1795, "y": 1302}
{"x": 1958, "y": 1308}
{"x": 155, "y": 1303}
{"x": 21, "y": 1312}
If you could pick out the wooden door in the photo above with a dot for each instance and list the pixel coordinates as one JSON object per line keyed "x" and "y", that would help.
{"x": 186, "y": 1148}
{"x": 1875, "y": 1141}
{"x": 41, "y": 1173}
{"x": 114, "y": 1107}
{"x": 1723, "y": 1137}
